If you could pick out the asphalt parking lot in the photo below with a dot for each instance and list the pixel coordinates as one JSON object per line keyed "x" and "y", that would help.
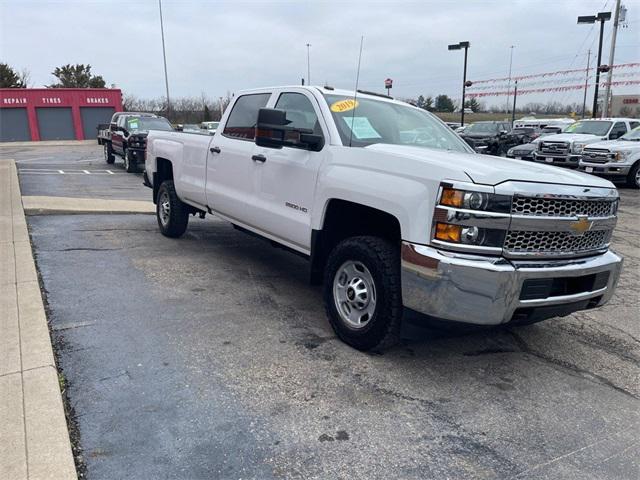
{"x": 211, "y": 357}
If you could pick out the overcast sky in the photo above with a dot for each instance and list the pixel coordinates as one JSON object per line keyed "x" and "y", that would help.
{"x": 219, "y": 46}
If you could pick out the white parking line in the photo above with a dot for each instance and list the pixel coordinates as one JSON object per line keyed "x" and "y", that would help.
{"x": 48, "y": 171}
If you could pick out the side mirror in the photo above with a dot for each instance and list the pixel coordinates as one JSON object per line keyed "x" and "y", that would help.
{"x": 273, "y": 131}
{"x": 503, "y": 132}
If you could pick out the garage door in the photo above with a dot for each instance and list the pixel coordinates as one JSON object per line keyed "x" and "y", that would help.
{"x": 92, "y": 117}
{"x": 55, "y": 123}
{"x": 14, "y": 125}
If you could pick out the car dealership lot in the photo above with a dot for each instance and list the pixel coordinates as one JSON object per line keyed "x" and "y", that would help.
{"x": 211, "y": 357}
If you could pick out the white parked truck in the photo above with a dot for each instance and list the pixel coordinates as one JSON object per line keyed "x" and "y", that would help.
{"x": 565, "y": 149}
{"x": 393, "y": 210}
{"x": 615, "y": 159}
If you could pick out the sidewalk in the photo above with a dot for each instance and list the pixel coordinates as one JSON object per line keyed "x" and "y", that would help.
{"x": 34, "y": 441}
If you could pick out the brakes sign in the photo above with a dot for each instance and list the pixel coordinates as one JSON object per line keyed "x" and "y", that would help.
{"x": 344, "y": 105}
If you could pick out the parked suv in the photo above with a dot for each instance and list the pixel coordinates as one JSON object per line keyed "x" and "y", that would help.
{"x": 494, "y": 138}
{"x": 127, "y": 137}
{"x": 615, "y": 159}
{"x": 565, "y": 149}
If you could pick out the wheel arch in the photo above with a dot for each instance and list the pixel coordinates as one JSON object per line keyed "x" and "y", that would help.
{"x": 163, "y": 171}
{"x": 343, "y": 219}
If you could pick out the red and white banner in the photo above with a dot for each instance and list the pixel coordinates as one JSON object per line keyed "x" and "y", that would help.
{"x": 553, "y": 74}
{"x": 565, "y": 88}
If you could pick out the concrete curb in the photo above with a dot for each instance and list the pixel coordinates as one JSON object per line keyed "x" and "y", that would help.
{"x": 34, "y": 440}
{"x": 50, "y": 143}
{"x": 37, "y": 205}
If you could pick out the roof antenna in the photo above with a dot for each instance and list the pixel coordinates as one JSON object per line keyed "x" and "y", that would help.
{"x": 355, "y": 93}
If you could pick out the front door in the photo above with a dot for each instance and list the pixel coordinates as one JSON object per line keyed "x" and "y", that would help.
{"x": 229, "y": 187}
{"x": 286, "y": 180}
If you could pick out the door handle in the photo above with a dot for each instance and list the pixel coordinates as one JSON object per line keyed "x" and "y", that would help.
{"x": 214, "y": 149}
{"x": 259, "y": 158}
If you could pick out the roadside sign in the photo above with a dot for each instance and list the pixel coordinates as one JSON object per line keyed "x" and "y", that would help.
{"x": 388, "y": 83}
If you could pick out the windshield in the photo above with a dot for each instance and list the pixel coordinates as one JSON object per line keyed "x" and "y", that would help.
{"x": 591, "y": 127}
{"x": 633, "y": 135}
{"x": 368, "y": 121}
{"x": 148, "y": 123}
{"x": 482, "y": 128}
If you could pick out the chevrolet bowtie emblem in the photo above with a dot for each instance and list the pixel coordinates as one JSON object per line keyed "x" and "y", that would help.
{"x": 581, "y": 225}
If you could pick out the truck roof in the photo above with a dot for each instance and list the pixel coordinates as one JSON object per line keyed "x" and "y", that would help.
{"x": 327, "y": 91}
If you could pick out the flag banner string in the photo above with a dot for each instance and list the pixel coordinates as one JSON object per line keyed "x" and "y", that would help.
{"x": 548, "y": 89}
{"x": 553, "y": 74}
{"x": 527, "y": 83}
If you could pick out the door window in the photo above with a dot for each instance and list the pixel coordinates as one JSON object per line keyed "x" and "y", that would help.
{"x": 618, "y": 130}
{"x": 244, "y": 116}
{"x": 300, "y": 112}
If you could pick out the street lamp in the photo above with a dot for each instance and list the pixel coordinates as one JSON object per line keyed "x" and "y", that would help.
{"x": 459, "y": 46}
{"x": 600, "y": 17}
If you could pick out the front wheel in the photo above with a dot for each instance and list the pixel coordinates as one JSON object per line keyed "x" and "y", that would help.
{"x": 362, "y": 292}
{"x": 633, "y": 179}
{"x": 171, "y": 212}
{"x": 109, "y": 157}
{"x": 129, "y": 163}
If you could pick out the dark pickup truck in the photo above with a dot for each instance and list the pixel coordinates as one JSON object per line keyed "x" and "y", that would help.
{"x": 126, "y": 137}
{"x": 494, "y": 138}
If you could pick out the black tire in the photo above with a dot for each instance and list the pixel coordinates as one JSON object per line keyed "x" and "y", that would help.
{"x": 109, "y": 157}
{"x": 172, "y": 222}
{"x": 633, "y": 180}
{"x": 129, "y": 163}
{"x": 382, "y": 260}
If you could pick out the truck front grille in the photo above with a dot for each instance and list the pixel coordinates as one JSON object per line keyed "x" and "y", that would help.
{"x": 562, "y": 208}
{"x": 596, "y": 156}
{"x": 554, "y": 148}
{"x": 550, "y": 243}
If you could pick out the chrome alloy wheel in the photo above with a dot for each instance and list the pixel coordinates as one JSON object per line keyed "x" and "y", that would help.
{"x": 354, "y": 293}
{"x": 637, "y": 179}
{"x": 164, "y": 208}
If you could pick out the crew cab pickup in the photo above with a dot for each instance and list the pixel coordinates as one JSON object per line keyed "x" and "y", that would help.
{"x": 565, "y": 149}
{"x": 127, "y": 137}
{"x": 393, "y": 210}
{"x": 615, "y": 159}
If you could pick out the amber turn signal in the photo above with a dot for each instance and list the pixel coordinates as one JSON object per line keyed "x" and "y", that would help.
{"x": 448, "y": 233}
{"x": 452, "y": 198}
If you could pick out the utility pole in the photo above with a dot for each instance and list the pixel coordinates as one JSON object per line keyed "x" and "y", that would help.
{"x": 221, "y": 107}
{"x": 164, "y": 56}
{"x": 614, "y": 34}
{"x": 308, "y": 64}
{"x": 460, "y": 46}
{"x": 586, "y": 84}
{"x": 515, "y": 95}
{"x": 509, "y": 82}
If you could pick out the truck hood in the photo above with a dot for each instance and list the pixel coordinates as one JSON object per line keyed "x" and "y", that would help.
{"x": 616, "y": 145}
{"x": 573, "y": 137}
{"x": 491, "y": 170}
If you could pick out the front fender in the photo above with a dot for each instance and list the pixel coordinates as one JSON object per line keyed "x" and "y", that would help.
{"x": 410, "y": 201}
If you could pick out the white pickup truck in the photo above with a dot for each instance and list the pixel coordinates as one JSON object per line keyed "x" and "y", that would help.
{"x": 565, "y": 149}
{"x": 615, "y": 159}
{"x": 393, "y": 211}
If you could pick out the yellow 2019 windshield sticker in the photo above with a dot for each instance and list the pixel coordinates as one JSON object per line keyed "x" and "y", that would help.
{"x": 344, "y": 105}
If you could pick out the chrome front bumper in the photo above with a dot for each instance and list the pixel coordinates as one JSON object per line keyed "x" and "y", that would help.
{"x": 560, "y": 160}
{"x": 607, "y": 169}
{"x": 487, "y": 290}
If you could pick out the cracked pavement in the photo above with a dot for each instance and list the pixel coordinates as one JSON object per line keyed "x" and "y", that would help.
{"x": 211, "y": 357}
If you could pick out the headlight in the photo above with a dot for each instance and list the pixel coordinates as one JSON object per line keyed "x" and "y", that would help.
{"x": 471, "y": 200}
{"x": 578, "y": 147}
{"x": 469, "y": 235}
{"x": 621, "y": 156}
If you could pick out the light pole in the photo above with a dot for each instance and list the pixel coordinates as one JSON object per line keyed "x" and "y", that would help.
{"x": 586, "y": 84}
{"x": 164, "y": 56}
{"x": 308, "y": 64}
{"x": 459, "y": 46}
{"x": 509, "y": 82}
{"x": 600, "y": 17}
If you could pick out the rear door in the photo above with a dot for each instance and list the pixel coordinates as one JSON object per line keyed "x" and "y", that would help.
{"x": 286, "y": 180}
{"x": 229, "y": 183}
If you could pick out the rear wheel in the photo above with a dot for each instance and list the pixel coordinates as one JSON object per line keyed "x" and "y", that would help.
{"x": 362, "y": 293}
{"x": 171, "y": 212}
{"x": 109, "y": 157}
{"x": 633, "y": 179}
